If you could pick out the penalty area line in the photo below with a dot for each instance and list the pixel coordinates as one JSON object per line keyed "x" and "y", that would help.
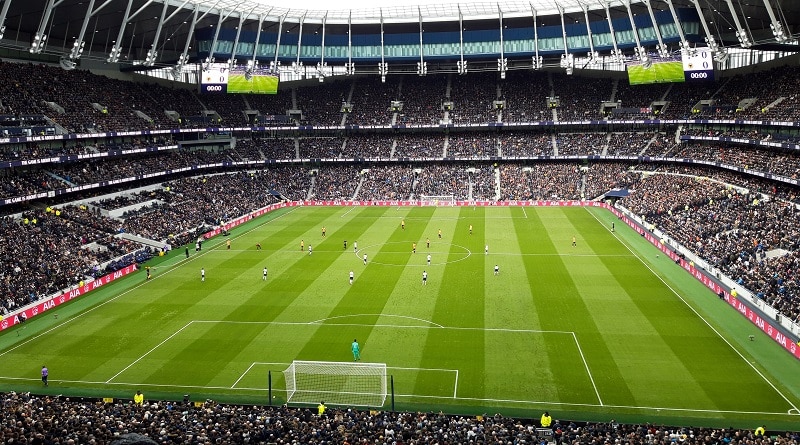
{"x": 148, "y": 352}
{"x": 247, "y": 371}
{"x": 586, "y": 365}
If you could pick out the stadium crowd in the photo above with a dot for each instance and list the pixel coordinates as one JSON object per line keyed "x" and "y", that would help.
{"x": 372, "y": 104}
{"x": 322, "y": 104}
{"x": 368, "y": 146}
{"x": 33, "y": 419}
{"x": 422, "y": 101}
{"x": 528, "y": 104}
{"x": 45, "y": 251}
{"x": 733, "y": 229}
{"x": 388, "y": 182}
{"x": 320, "y": 147}
{"x": 466, "y": 145}
{"x": 267, "y": 148}
{"x": 78, "y": 101}
{"x": 472, "y": 98}
{"x": 574, "y": 144}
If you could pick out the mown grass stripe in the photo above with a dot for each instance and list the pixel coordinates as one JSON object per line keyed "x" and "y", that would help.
{"x": 559, "y": 304}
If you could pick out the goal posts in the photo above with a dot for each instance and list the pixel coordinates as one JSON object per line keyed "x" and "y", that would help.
{"x": 438, "y": 200}
{"x": 337, "y": 383}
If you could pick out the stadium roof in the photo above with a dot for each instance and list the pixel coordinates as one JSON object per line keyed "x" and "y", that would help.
{"x": 431, "y": 10}
{"x": 24, "y": 19}
{"x": 393, "y": 10}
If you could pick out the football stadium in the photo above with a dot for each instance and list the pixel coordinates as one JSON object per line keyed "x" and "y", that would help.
{"x": 542, "y": 222}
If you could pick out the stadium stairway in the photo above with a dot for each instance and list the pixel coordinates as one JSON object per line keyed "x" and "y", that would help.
{"x": 311, "y": 186}
{"x": 361, "y": 178}
{"x": 120, "y": 212}
{"x": 666, "y": 93}
{"x": 614, "y": 88}
{"x": 497, "y": 190}
{"x": 605, "y": 146}
{"x": 721, "y": 87}
{"x": 648, "y": 144}
{"x": 347, "y": 100}
{"x": 57, "y": 126}
{"x": 774, "y": 103}
{"x": 140, "y": 240}
{"x": 60, "y": 178}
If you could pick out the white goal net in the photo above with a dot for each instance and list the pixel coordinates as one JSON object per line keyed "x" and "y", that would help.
{"x": 438, "y": 200}
{"x": 336, "y": 383}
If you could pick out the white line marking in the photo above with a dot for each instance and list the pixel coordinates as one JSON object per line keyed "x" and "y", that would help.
{"x": 345, "y": 213}
{"x": 321, "y": 320}
{"x": 455, "y": 384}
{"x": 148, "y": 352}
{"x": 423, "y": 369}
{"x": 524, "y": 212}
{"x": 251, "y": 367}
{"x": 592, "y": 405}
{"x": 434, "y": 253}
{"x": 242, "y": 376}
{"x": 458, "y": 328}
{"x": 701, "y": 318}
{"x": 407, "y": 250}
{"x": 586, "y": 365}
{"x": 526, "y": 402}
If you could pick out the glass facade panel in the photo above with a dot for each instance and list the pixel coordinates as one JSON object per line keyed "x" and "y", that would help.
{"x": 245, "y": 48}
{"x": 578, "y": 41}
{"x": 668, "y": 30}
{"x": 488, "y": 43}
{"x": 602, "y": 39}
{"x": 647, "y": 33}
{"x": 625, "y": 37}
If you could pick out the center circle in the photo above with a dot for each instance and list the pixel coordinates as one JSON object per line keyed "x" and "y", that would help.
{"x": 380, "y": 254}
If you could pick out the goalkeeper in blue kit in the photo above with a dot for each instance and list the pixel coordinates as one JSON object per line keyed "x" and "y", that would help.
{"x": 356, "y": 350}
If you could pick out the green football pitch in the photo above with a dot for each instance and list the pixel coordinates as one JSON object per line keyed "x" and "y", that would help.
{"x": 659, "y": 72}
{"x": 237, "y": 83}
{"x": 599, "y": 330}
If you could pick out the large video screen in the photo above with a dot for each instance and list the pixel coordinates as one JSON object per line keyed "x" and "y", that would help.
{"x": 657, "y": 70}
{"x": 255, "y": 81}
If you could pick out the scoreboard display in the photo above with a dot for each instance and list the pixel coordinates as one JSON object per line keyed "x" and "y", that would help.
{"x": 214, "y": 78}
{"x": 698, "y": 65}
